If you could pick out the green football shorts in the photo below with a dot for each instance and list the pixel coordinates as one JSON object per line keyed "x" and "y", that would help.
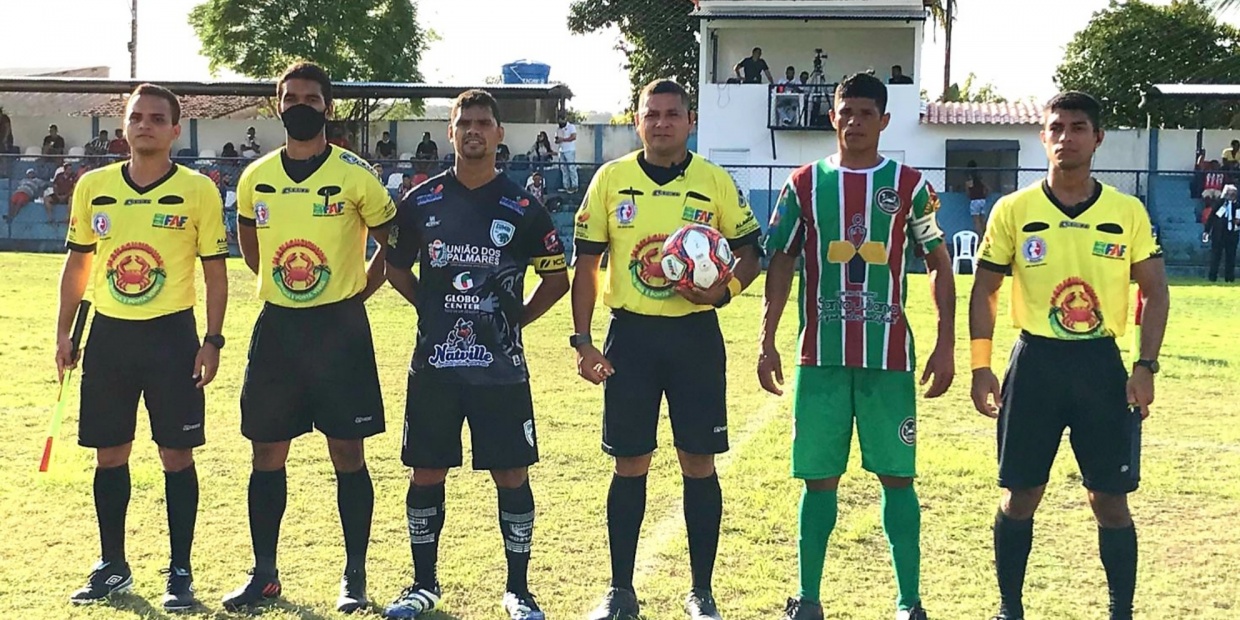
{"x": 827, "y": 400}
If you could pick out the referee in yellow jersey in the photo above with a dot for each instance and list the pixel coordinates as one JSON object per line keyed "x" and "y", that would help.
{"x": 149, "y": 221}
{"x": 1073, "y": 245}
{"x": 303, "y": 214}
{"x": 661, "y": 341}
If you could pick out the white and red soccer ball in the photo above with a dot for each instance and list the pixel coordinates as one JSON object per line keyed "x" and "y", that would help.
{"x": 696, "y": 256}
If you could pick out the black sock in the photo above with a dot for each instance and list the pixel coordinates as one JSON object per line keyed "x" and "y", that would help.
{"x": 355, "y": 497}
{"x": 181, "y": 491}
{"x": 626, "y": 507}
{"x": 111, "y": 504}
{"x": 1118, "y": 548}
{"x": 424, "y": 510}
{"x": 267, "y": 498}
{"x": 1013, "y": 540}
{"x": 516, "y": 523}
{"x": 703, "y": 513}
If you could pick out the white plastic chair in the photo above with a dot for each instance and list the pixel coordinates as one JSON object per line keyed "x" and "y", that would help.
{"x": 964, "y": 248}
{"x": 207, "y": 154}
{"x": 395, "y": 179}
{"x": 32, "y": 153}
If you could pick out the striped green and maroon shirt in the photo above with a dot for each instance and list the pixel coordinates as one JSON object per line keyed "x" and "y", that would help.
{"x": 857, "y": 231}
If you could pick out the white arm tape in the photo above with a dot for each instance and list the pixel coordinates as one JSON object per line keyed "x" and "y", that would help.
{"x": 926, "y": 229}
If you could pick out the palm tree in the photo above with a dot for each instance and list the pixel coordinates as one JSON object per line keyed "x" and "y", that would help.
{"x": 942, "y": 17}
{"x": 1222, "y": 5}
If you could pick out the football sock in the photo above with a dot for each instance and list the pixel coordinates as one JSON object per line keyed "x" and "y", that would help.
{"x": 516, "y": 523}
{"x": 703, "y": 501}
{"x": 111, "y": 504}
{"x": 626, "y": 507}
{"x": 181, "y": 491}
{"x": 1118, "y": 548}
{"x": 355, "y": 498}
{"x": 819, "y": 510}
{"x": 425, "y": 511}
{"x": 902, "y": 524}
{"x": 268, "y": 495}
{"x": 1013, "y": 540}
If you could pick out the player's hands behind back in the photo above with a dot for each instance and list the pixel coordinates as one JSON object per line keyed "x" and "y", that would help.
{"x": 592, "y": 365}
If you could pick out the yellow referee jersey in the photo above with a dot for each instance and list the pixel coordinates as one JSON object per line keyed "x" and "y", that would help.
{"x": 312, "y": 234}
{"x": 1071, "y": 266}
{"x": 147, "y": 239}
{"x": 630, "y": 215}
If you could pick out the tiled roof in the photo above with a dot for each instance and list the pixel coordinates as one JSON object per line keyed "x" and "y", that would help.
{"x": 1018, "y": 113}
{"x": 192, "y": 106}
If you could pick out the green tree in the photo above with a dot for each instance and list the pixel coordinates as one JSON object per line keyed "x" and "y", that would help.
{"x": 365, "y": 40}
{"x": 968, "y": 92}
{"x": 658, "y": 37}
{"x": 1130, "y": 46}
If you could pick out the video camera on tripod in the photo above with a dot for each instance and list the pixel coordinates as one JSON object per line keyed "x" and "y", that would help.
{"x": 816, "y": 76}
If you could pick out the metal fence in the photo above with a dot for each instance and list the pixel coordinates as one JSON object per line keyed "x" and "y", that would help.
{"x": 31, "y": 223}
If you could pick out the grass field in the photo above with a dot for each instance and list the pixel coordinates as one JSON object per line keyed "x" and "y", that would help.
{"x": 1188, "y": 510}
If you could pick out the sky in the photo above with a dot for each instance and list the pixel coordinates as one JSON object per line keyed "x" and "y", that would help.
{"x": 1019, "y": 61}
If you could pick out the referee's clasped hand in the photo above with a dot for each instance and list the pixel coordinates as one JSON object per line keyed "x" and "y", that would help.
{"x": 592, "y": 365}
{"x": 986, "y": 392}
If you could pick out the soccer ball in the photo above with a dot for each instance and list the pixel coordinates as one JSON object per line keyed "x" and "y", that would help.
{"x": 697, "y": 256}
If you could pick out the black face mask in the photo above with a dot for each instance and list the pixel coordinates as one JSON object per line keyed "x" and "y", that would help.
{"x": 303, "y": 122}
{"x": 563, "y": 124}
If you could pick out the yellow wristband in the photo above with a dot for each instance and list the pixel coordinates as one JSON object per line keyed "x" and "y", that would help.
{"x": 981, "y": 352}
{"x": 735, "y": 287}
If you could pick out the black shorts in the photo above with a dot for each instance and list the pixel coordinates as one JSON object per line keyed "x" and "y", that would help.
{"x": 682, "y": 357}
{"x": 152, "y": 359}
{"x": 311, "y": 368}
{"x": 1054, "y": 384}
{"x": 501, "y": 424}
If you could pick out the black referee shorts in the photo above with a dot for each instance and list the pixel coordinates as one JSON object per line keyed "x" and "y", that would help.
{"x": 682, "y": 357}
{"x": 1055, "y": 384}
{"x": 501, "y": 424}
{"x": 311, "y": 368}
{"x": 152, "y": 359}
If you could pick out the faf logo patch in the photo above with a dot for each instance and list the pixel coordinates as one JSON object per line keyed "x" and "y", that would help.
{"x": 135, "y": 273}
{"x": 1110, "y": 250}
{"x": 300, "y": 271}
{"x": 328, "y": 209}
{"x": 697, "y": 216}
{"x": 174, "y": 222}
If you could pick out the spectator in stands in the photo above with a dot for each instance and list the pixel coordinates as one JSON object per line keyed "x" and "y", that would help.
{"x": 426, "y": 152}
{"x": 898, "y": 77}
{"x": 211, "y": 173}
{"x": 542, "y": 151}
{"x": 6, "y": 132}
{"x": 98, "y": 146}
{"x": 753, "y": 68}
{"x": 338, "y": 136}
{"x": 502, "y": 155}
{"x": 790, "y": 82}
{"x": 118, "y": 145}
{"x": 978, "y": 192}
{"x": 61, "y": 192}
{"x": 804, "y": 77}
{"x": 53, "y": 142}
{"x": 1223, "y": 233}
{"x": 378, "y": 170}
{"x": 566, "y": 138}
{"x": 1231, "y": 153}
{"x": 28, "y": 189}
{"x": 1212, "y": 187}
{"x": 419, "y": 178}
{"x": 537, "y": 186}
{"x": 385, "y": 148}
{"x": 229, "y": 150}
{"x": 406, "y": 184}
{"x": 250, "y": 148}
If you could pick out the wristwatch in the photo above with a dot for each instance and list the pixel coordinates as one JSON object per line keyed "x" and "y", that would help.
{"x": 1150, "y": 365}
{"x": 577, "y": 340}
{"x": 727, "y": 299}
{"x": 215, "y": 340}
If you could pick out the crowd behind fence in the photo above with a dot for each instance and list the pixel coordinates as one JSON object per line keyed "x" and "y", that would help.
{"x": 29, "y": 223}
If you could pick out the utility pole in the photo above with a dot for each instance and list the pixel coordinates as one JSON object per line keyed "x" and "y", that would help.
{"x": 947, "y": 49}
{"x": 133, "y": 40}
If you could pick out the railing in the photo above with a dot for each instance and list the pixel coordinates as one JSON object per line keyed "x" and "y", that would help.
{"x": 1175, "y": 211}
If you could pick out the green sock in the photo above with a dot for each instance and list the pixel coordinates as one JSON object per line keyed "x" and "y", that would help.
{"x": 818, "y": 512}
{"x": 902, "y": 524}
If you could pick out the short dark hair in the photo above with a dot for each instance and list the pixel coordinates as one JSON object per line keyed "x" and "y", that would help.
{"x": 897, "y": 68}
{"x": 791, "y": 68}
{"x": 1078, "y": 101}
{"x": 53, "y": 126}
{"x": 155, "y": 90}
{"x": 306, "y": 71}
{"x": 665, "y": 86}
{"x": 863, "y": 86}
{"x": 475, "y": 98}
{"x": 757, "y": 49}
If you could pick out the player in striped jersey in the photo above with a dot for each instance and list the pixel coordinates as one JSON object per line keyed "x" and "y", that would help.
{"x": 856, "y": 218}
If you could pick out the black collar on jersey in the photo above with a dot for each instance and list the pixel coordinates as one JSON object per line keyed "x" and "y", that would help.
{"x": 661, "y": 175}
{"x": 299, "y": 170}
{"x": 493, "y": 187}
{"x": 142, "y": 190}
{"x": 1075, "y": 210}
